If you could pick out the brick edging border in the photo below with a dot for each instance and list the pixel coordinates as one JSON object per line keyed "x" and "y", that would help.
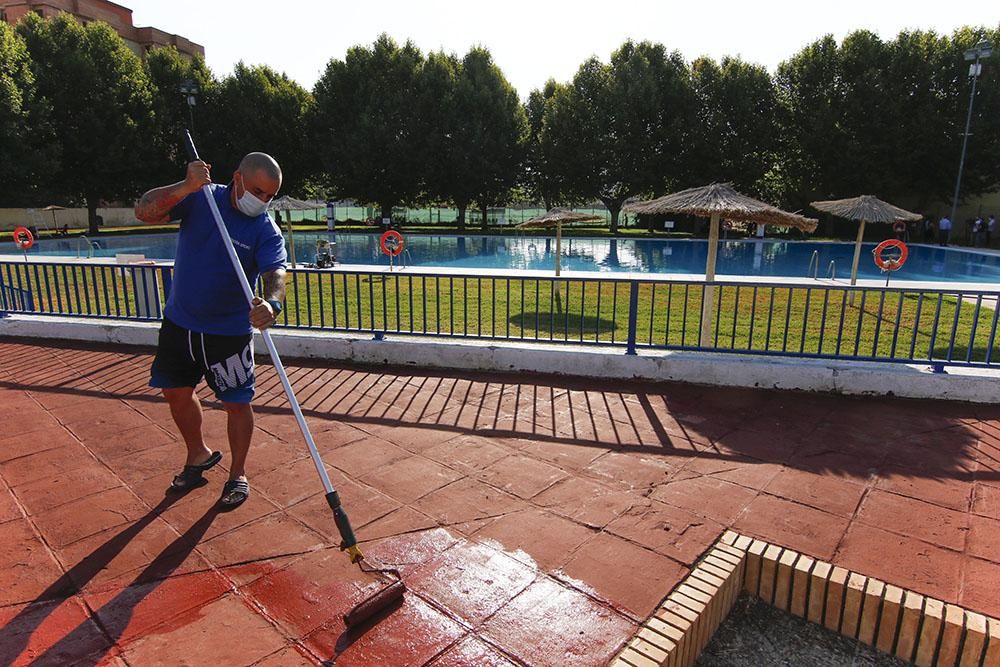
{"x": 913, "y": 627}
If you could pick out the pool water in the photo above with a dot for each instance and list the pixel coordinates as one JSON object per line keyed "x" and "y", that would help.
{"x": 767, "y": 257}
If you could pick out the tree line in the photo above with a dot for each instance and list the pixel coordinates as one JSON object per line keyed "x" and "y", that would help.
{"x": 85, "y": 120}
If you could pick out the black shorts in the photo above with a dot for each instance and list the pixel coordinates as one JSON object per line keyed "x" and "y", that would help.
{"x": 184, "y": 357}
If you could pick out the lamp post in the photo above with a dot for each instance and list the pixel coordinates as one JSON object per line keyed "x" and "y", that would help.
{"x": 980, "y": 51}
{"x": 189, "y": 89}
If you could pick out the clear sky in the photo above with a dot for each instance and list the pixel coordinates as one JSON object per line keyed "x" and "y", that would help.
{"x": 533, "y": 40}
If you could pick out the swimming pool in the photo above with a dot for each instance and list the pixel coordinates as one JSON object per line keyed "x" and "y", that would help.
{"x": 767, "y": 257}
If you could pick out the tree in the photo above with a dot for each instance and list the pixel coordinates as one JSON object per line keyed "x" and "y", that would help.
{"x": 621, "y": 129}
{"x": 258, "y": 109}
{"x": 25, "y": 140}
{"x": 435, "y": 102}
{"x": 542, "y": 178}
{"x": 487, "y": 143}
{"x": 168, "y": 70}
{"x": 364, "y": 127}
{"x": 735, "y": 139}
{"x": 100, "y": 106}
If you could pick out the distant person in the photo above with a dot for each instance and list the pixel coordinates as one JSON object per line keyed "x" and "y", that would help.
{"x": 991, "y": 230}
{"x": 928, "y": 230}
{"x": 978, "y": 232}
{"x": 944, "y": 230}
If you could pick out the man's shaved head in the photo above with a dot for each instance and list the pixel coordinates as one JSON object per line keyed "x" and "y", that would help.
{"x": 254, "y": 162}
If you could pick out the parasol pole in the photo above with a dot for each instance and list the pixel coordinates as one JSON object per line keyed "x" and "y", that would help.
{"x": 857, "y": 257}
{"x": 708, "y": 295}
{"x": 558, "y": 245}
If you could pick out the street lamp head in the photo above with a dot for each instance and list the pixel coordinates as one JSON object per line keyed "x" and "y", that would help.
{"x": 980, "y": 51}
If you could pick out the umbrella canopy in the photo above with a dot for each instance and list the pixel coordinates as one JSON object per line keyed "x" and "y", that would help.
{"x": 557, "y": 217}
{"x": 866, "y": 207}
{"x": 718, "y": 201}
{"x": 288, "y": 203}
{"x": 53, "y": 207}
{"x": 723, "y": 201}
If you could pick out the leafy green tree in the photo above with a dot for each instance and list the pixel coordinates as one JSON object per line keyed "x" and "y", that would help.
{"x": 258, "y": 109}
{"x": 25, "y": 139}
{"x": 488, "y": 142}
{"x": 435, "y": 102}
{"x": 541, "y": 177}
{"x": 622, "y": 129}
{"x": 168, "y": 70}
{"x": 100, "y": 105}
{"x": 736, "y": 138}
{"x": 364, "y": 128}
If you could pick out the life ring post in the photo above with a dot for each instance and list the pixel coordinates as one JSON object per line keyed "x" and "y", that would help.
{"x": 890, "y": 264}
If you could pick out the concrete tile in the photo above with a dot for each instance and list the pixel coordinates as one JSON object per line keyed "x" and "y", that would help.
{"x": 916, "y": 565}
{"x": 716, "y": 499}
{"x": 536, "y": 537}
{"x": 197, "y": 632}
{"x": 522, "y": 476}
{"x": 795, "y": 526}
{"x": 667, "y": 530}
{"x": 592, "y": 632}
{"x": 606, "y": 565}
{"x": 472, "y": 581}
{"x": 412, "y": 634}
{"x": 49, "y": 633}
{"x": 942, "y": 527}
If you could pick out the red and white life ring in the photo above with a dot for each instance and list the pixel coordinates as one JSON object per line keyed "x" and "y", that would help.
{"x": 391, "y": 243}
{"x": 890, "y": 263}
{"x": 23, "y": 238}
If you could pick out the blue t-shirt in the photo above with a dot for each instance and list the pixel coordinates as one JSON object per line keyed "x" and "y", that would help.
{"x": 205, "y": 296}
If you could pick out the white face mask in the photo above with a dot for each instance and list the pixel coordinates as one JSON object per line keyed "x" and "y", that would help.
{"x": 249, "y": 205}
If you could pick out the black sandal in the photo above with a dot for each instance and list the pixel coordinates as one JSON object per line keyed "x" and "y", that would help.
{"x": 190, "y": 476}
{"x": 234, "y": 493}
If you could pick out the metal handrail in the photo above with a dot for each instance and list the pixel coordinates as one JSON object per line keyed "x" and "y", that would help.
{"x": 90, "y": 247}
{"x": 951, "y": 325}
{"x": 832, "y": 270}
{"x": 813, "y": 262}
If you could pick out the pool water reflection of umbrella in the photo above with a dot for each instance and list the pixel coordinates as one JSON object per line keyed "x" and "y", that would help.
{"x": 718, "y": 201}
{"x": 557, "y": 217}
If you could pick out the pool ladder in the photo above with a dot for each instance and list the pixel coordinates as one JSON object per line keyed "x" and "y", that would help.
{"x": 831, "y": 271}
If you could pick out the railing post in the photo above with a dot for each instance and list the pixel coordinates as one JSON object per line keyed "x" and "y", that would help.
{"x": 633, "y": 316}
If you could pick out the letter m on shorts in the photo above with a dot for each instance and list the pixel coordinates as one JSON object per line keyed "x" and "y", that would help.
{"x": 232, "y": 373}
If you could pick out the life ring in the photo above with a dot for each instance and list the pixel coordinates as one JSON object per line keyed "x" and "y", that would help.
{"x": 391, "y": 243}
{"x": 890, "y": 264}
{"x": 899, "y": 227}
{"x": 23, "y": 238}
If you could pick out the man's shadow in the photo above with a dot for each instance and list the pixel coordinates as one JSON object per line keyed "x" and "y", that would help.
{"x": 16, "y": 633}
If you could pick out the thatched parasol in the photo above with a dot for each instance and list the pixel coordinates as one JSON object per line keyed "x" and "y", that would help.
{"x": 53, "y": 208}
{"x": 557, "y": 217}
{"x": 717, "y": 201}
{"x": 288, "y": 203}
{"x": 866, "y": 208}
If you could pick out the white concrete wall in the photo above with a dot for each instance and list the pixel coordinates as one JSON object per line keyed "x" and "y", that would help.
{"x": 842, "y": 377}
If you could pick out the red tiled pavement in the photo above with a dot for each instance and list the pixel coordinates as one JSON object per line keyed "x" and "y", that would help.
{"x": 536, "y": 521}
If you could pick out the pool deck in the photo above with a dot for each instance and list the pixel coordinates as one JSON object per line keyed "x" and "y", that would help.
{"x": 536, "y": 520}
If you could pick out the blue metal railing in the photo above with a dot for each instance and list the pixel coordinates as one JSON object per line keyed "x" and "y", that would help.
{"x": 955, "y": 326}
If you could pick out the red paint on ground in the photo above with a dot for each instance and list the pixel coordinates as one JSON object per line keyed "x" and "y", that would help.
{"x": 543, "y": 541}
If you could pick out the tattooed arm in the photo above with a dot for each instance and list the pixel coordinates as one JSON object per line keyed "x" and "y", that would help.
{"x": 154, "y": 206}
{"x": 262, "y": 315}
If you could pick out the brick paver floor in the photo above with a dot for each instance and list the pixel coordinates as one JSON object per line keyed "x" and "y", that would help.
{"x": 535, "y": 520}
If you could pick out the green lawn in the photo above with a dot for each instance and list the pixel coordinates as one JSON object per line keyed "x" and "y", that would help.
{"x": 811, "y": 320}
